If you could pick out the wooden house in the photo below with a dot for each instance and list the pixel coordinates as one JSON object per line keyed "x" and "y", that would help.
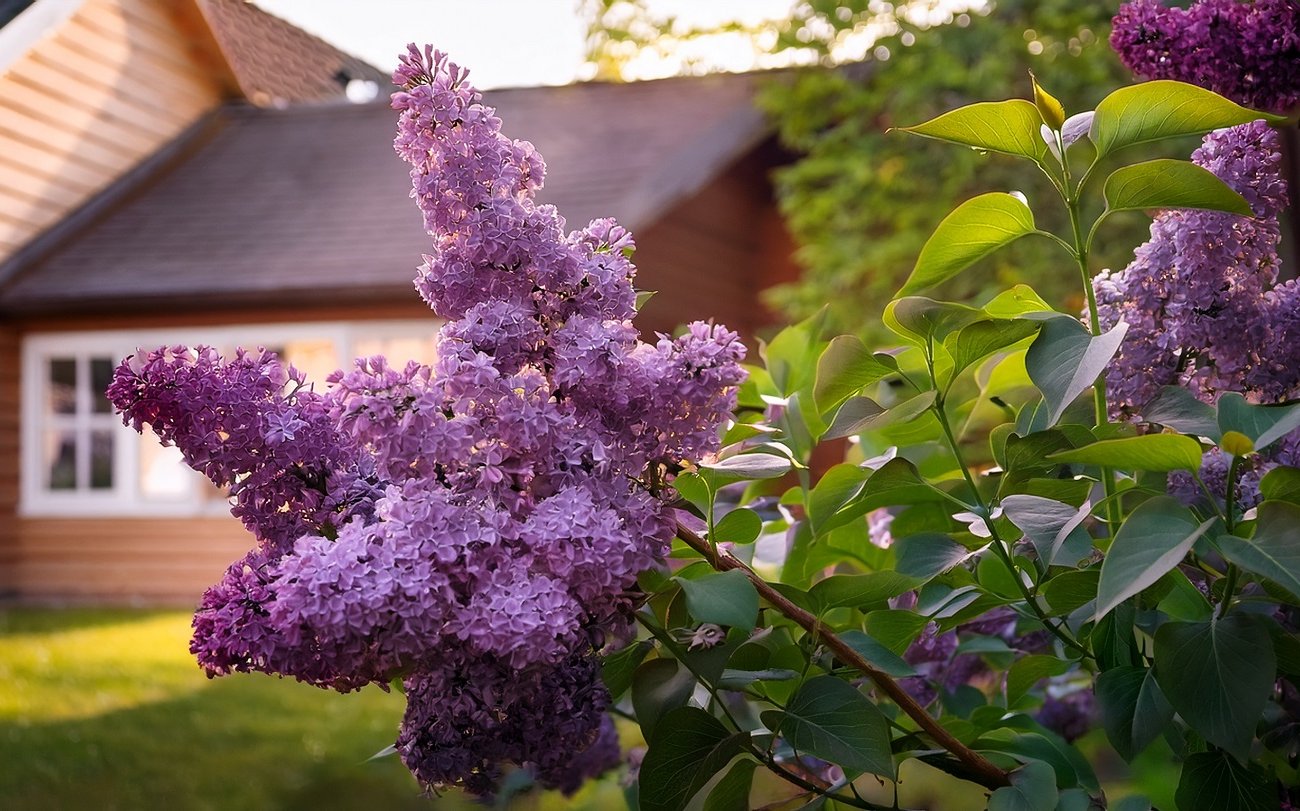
{"x": 198, "y": 171}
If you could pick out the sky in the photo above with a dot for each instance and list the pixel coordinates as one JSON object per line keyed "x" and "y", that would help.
{"x": 504, "y": 43}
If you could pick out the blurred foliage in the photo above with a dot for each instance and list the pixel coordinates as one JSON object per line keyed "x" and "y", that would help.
{"x": 861, "y": 201}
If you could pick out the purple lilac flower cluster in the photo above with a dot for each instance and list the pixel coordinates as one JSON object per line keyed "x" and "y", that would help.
{"x": 1246, "y": 51}
{"x": 474, "y": 528}
{"x": 1203, "y": 302}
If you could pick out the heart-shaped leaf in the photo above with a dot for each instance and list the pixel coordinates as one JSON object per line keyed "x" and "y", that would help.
{"x": 828, "y": 718}
{"x": 1065, "y": 359}
{"x": 1155, "y": 538}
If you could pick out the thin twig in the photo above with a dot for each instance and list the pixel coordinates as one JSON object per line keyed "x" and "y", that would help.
{"x": 987, "y": 773}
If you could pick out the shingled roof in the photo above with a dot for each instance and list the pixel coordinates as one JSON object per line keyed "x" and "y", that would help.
{"x": 311, "y": 202}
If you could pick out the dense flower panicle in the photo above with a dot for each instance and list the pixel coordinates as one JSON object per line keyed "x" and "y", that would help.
{"x": 1246, "y": 51}
{"x": 476, "y": 526}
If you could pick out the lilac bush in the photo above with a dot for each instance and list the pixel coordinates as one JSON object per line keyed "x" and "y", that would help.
{"x": 473, "y": 529}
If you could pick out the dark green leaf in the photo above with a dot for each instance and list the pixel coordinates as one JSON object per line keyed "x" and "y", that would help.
{"x": 1153, "y": 111}
{"x": 896, "y": 483}
{"x": 617, "y": 668}
{"x": 739, "y": 679}
{"x": 844, "y": 369}
{"x": 828, "y": 718}
{"x": 1033, "y": 788}
{"x": 731, "y": 793}
{"x": 1010, "y": 127}
{"x": 975, "y": 229}
{"x": 1155, "y": 538}
{"x": 1071, "y": 590}
{"x": 976, "y": 341}
{"x": 741, "y": 525}
{"x": 877, "y": 654}
{"x": 1176, "y": 407}
{"x": 896, "y": 629}
{"x": 1134, "y": 711}
{"x": 1218, "y": 675}
{"x": 1030, "y": 670}
{"x": 1274, "y": 551}
{"x": 849, "y": 590}
{"x": 1262, "y": 424}
{"x": 1281, "y": 484}
{"x": 1212, "y": 781}
{"x": 1155, "y": 452}
{"x": 727, "y": 598}
{"x": 688, "y": 748}
{"x": 836, "y": 488}
{"x": 1112, "y": 639}
{"x": 659, "y": 686}
{"x": 1065, "y": 360}
{"x": 928, "y": 555}
{"x": 1168, "y": 183}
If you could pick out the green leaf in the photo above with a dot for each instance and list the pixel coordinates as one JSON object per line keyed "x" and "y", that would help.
{"x": 1274, "y": 551}
{"x": 922, "y": 320}
{"x": 688, "y": 748}
{"x": 617, "y": 669}
{"x": 1218, "y": 675}
{"x": 1212, "y": 781}
{"x": 749, "y": 466}
{"x": 855, "y": 415}
{"x": 727, "y": 598}
{"x": 643, "y": 298}
{"x": 1071, "y": 590}
{"x": 1155, "y": 452}
{"x": 1051, "y": 111}
{"x": 659, "y": 686}
{"x": 1176, "y": 407}
{"x": 927, "y": 555}
{"x": 742, "y": 525}
{"x": 1262, "y": 424}
{"x": 877, "y": 654}
{"x": 1046, "y": 522}
{"x": 850, "y": 590}
{"x": 977, "y": 341}
{"x": 740, "y": 679}
{"x": 1009, "y": 127}
{"x": 1134, "y": 711}
{"x": 1155, "y": 538}
{"x": 844, "y": 369}
{"x": 895, "y": 483}
{"x": 895, "y": 628}
{"x": 1033, "y": 788}
{"x": 1016, "y": 301}
{"x": 731, "y": 793}
{"x": 1065, "y": 360}
{"x": 975, "y": 229}
{"x": 791, "y": 356}
{"x": 837, "y": 487}
{"x": 1153, "y": 111}
{"x": 1030, "y": 670}
{"x": 828, "y": 718}
{"x": 1281, "y": 484}
{"x": 1167, "y": 184}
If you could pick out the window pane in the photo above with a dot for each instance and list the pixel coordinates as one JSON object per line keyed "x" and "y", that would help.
{"x": 101, "y": 460}
{"x": 314, "y": 358}
{"x": 63, "y": 386}
{"x": 61, "y": 460}
{"x": 101, "y": 374}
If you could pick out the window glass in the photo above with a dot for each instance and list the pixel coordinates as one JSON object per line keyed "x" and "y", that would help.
{"x": 101, "y": 374}
{"x": 61, "y": 460}
{"x": 101, "y": 460}
{"x": 63, "y": 386}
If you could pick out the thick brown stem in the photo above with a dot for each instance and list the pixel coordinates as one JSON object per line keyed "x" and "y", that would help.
{"x": 983, "y": 771}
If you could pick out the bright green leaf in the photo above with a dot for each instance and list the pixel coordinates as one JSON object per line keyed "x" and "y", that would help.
{"x": 1218, "y": 675}
{"x": 1155, "y": 538}
{"x": 1010, "y": 127}
{"x": 1155, "y": 452}
{"x": 1053, "y": 114}
{"x": 921, "y": 320}
{"x": 976, "y": 341}
{"x": 741, "y": 525}
{"x": 975, "y": 229}
{"x": 1065, "y": 360}
{"x": 828, "y": 718}
{"x": 1153, "y": 111}
{"x": 791, "y": 356}
{"x": 844, "y": 369}
{"x": 1281, "y": 484}
{"x": 726, "y": 598}
{"x": 1164, "y": 184}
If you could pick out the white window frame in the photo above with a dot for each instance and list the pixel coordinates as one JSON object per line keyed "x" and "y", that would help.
{"x": 125, "y": 498}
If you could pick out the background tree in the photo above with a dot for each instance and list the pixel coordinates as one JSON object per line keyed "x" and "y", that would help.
{"x": 861, "y": 201}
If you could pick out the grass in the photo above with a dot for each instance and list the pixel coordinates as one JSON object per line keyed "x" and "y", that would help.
{"x": 107, "y": 709}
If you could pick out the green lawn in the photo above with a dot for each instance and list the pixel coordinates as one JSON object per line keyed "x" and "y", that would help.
{"x": 107, "y": 710}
